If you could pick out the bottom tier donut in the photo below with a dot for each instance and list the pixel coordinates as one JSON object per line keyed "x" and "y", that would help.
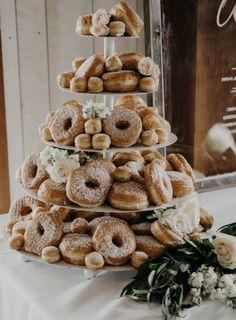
{"x": 95, "y": 240}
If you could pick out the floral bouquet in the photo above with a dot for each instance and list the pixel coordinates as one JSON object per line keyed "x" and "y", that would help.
{"x": 189, "y": 274}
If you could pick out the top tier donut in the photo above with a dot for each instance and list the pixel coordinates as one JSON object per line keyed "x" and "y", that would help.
{"x": 121, "y": 21}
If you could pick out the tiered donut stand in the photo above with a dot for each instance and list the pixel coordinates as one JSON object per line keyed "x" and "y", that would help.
{"x": 109, "y": 49}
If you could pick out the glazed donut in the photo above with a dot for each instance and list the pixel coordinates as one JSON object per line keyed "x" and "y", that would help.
{"x": 128, "y": 196}
{"x": 92, "y": 67}
{"x": 113, "y": 63}
{"x": 45, "y": 133}
{"x": 83, "y": 25}
{"x": 123, "y": 126}
{"x": 115, "y": 241}
{"x": 21, "y": 209}
{"x": 137, "y": 171}
{"x": 79, "y": 225}
{"x": 78, "y": 84}
{"x": 63, "y": 79}
{"x": 179, "y": 163}
{"x": 158, "y": 184}
{"x": 138, "y": 258}
{"x": 206, "y": 219}
{"x": 181, "y": 183}
{"x": 93, "y": 126}
{"x": 101, "y": 141}
{"x": 163, "y": 234}
{"x": 88, "y": 186}
{"x": 9, "y": 227}
{"x": 67, "y": 123}
{"x": 76, "y": 63}
{"x": 149, "y": 137}
{"x": 134, "y": 103}
{"x": 149, "y": 245}
{"x": 95, "y": 84}
{"x": 116, "y": 29}
{"x": 120, "y": 81}
{"x": 50, "y": 254}
{"x": 94, "y": 261}
{"x": 43, "y": 231}
{"x": 151, "y": 122}
{"x": 97, "y": 221}
{"x": 150, "y": 155}
{"x": 143, "y": 228}
{"x": 147, "y": 84}
{"x": 121, "y": 158}
{"x": 74, "y": 248}
{"x": 103, "y": 164}
{"x": 61, "y": 212}
{"x": 145, "y": 66}
{"x": 20, "y": 227}
{"x": 122, "y": 174}
{"x": 83, "y": 141}
{"x": 33, "y": 173}
{"x": 16, "y": 242}
{"x": 123, "y": 12}
{"x": 99, "y": 30}
{"x": 53, "y": 192}
{"x": 67, "y": 227}
{"x": 130, "y": 60}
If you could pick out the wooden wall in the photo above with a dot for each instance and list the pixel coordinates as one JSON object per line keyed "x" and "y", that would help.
{"x": 39, "y": 41}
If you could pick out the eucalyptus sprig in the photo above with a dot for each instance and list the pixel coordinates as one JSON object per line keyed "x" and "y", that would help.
{"x": 152, "y": 215}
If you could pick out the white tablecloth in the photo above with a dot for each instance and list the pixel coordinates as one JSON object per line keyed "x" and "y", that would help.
{"x": 33, "y": 291}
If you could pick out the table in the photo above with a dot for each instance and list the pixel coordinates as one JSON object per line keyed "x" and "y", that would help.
{"x": 33, "y": 291}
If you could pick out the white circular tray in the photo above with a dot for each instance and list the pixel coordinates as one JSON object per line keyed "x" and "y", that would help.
{"x": 109, "y": 209}
{"x": 172, "y": 140}
{"x": 106, "y": 93}
{"x": 107, "y": 37}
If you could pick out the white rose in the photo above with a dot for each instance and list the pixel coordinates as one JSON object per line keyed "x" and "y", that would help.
{"x": 225, "y": 249}
{"x": 184, "y": 219}
{"x": 61, "y": 169}
{"x": 49, "y": 155}
{"x": 196, "y": 279}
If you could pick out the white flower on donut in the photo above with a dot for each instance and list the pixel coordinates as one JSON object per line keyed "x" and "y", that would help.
{"x": 184, "y": 218}
{"x": 49, "y": 155}
{"x": 95, "y": 110}
{"x": 61, "y": 169}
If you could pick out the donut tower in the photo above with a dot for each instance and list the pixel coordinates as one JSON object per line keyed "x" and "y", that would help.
{"x": 49, "y": 223}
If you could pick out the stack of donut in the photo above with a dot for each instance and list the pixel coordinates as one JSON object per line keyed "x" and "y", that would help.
{"x": 130, "y": 182}
{"x": 122, "y": 72}
{"x": 130, "y": 123}
{"x": 87, "y": 238}
{"x": 122, "y": 20}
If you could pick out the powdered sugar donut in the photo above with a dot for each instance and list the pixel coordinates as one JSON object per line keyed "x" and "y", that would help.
{"x": 50, "y": 254}
{"x": 149, "y": 245}
{"x": 44, "y": 230}
{"x": 157, "y": 183}
{"x": 97, "y": 221}
{"x": 33, "y": 173}
{"x": 115, "y": 241}
{"x": 53, "y": 192}
{"x": 143, "y": 228}
{"x": 138, "y": 258}
{"x": 79, "y": 225}
{"x": 21, "y": 209}
{"x": 94, "y": 261}
{"x": 102, "y": 163}
{"x": 88, "y": 186}
{"x": 123, "y": 126}
{"x": 179, "y": 163}
{"x": 66, "y": 123}
{"x": 20, "y": 227}
{"x": 181, "y": 183}
{"x": 74, "y": 248}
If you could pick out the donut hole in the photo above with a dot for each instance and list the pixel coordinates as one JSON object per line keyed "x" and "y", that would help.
{"x": 92, "y": 184}
{"x": 33, "y": 171}
{"x": 117, "y": 241}
{"x": 40, "y": 229}
{"x": 122, "y": 125}
{"x": 25, "y": 211}
{"x": 67, "y": 124}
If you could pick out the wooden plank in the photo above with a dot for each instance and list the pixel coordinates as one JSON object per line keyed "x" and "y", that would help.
{"x": 12, "y": 91}
{"x": 33, "y": 64}
{"x": 64, "y": 44}
{"x": 4, "y": 181}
